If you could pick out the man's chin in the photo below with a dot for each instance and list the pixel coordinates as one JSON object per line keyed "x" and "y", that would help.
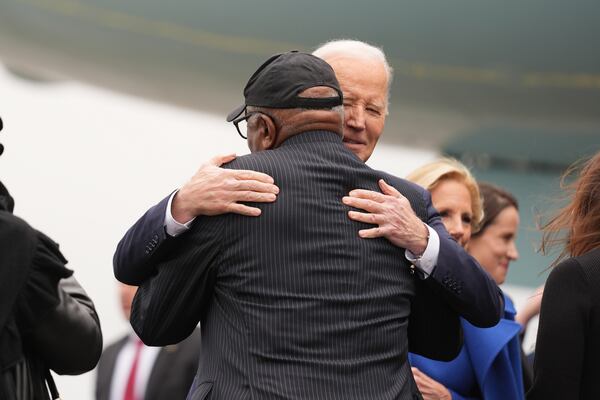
{"x": 356, "y": 148}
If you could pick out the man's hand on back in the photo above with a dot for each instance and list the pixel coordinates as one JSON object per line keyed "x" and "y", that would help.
{"x": 214, "y": 191}
{"x": 392, "y": 212}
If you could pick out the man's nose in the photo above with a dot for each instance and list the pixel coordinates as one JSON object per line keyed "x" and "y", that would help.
{"x": 355, "y": 117}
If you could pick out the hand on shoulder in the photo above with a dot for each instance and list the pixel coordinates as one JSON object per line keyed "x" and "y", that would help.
{"x": 214, "y": 190}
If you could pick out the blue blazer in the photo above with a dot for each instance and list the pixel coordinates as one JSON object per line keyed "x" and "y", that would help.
{"x": 488, "y": 366}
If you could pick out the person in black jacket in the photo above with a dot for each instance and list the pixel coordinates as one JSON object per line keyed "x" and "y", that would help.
{"x": 568, "y": 342}
{"x": 47, "y": 321}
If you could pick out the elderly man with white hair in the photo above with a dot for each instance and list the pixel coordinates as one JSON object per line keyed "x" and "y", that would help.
{"x": 450, "y": 283}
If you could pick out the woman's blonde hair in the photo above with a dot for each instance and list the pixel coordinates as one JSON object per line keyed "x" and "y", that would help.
{"x": 430, "y": 175}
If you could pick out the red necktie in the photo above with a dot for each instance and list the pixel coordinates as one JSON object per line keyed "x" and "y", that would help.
{"x": 130, "y": 388}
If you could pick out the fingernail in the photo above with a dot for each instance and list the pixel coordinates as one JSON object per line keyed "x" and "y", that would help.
{"x": 276, "y": 189}
{"x": 345, "y": 199}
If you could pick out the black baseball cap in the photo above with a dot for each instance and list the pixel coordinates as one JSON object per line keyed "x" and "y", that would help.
{"x": 277, "y": 83}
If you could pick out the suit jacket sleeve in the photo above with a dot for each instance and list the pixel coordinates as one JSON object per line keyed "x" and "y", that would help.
{"x": 142, "y": 245}
{"x": 459, "y": 279}
{"x": 434, "y": 329}
{"x": 172, "y": 300}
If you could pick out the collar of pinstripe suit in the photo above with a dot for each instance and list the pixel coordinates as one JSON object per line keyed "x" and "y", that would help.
{"x": 312, "y": 137}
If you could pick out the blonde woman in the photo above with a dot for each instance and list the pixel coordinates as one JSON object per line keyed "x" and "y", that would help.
{"x": 454, "y": 193}
{"x": 489, "y": 364}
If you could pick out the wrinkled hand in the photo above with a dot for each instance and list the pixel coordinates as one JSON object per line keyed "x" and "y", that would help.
{"x": 392, "y": 212}
{"x": 429, "y": 388}
{"x": 214, "y": 191}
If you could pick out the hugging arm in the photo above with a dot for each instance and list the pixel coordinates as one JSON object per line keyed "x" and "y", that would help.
{"x": 211, "y": 191}
{"x": 168, "y": 305}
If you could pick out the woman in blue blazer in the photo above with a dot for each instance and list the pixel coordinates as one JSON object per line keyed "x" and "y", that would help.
{"x": 489, "y": 364}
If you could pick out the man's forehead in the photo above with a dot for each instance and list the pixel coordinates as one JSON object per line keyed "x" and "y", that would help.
{"x": 350, "y": 68}
{"x": 353, "y": 60}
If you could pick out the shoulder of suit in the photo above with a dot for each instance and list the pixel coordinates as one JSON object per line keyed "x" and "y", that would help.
{"x": 590, "y": 266}
{"x": 574, "y": 272}
{"x": 415, "y": 194}
{"x": 254, "y": 161}
{"x": 402, "y": 184}
{"x": 591, "y": 258}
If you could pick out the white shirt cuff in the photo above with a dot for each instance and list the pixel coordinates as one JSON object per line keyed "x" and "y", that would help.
{"x": 172, "y": 227}
{"x": 427, "y": 262}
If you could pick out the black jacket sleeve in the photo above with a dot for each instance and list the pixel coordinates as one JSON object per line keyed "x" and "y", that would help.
{"x": 69, "y": 339}
{"x": 57, "y": 319}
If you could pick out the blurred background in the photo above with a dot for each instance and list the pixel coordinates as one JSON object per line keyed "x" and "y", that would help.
{"x": 110, "y": 105}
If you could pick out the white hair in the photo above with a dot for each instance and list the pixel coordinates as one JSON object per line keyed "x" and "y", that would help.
{"x": 358, "y": 49}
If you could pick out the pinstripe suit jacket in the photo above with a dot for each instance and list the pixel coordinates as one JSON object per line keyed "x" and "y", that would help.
{"x": 294, "y": 305}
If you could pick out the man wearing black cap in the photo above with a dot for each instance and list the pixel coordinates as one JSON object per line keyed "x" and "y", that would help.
{"x": 294, "y": 304}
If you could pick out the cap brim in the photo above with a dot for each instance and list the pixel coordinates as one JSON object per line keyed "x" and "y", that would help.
{"x": 236, "y": 112}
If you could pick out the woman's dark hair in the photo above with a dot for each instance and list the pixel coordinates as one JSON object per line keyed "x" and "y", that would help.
{"x": 495, "y": 200}
{"x": 576, "y": 226}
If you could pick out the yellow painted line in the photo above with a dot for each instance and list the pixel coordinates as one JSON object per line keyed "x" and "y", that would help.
{"x": 557, "y": 80}
{"x": 452, "y": 73}
{"x": 161, "y": 29}
{"x": 245, "y": 45}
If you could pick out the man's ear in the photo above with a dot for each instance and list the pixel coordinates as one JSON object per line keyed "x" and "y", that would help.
{"x": 267, "y": 131}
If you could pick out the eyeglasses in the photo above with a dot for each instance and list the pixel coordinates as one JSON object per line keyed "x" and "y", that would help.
{"x": 241, "y": 122}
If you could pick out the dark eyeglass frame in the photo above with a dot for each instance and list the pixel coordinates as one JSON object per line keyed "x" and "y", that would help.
{"x": 241, "y": 118}
{"x": 245, "y": 117}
